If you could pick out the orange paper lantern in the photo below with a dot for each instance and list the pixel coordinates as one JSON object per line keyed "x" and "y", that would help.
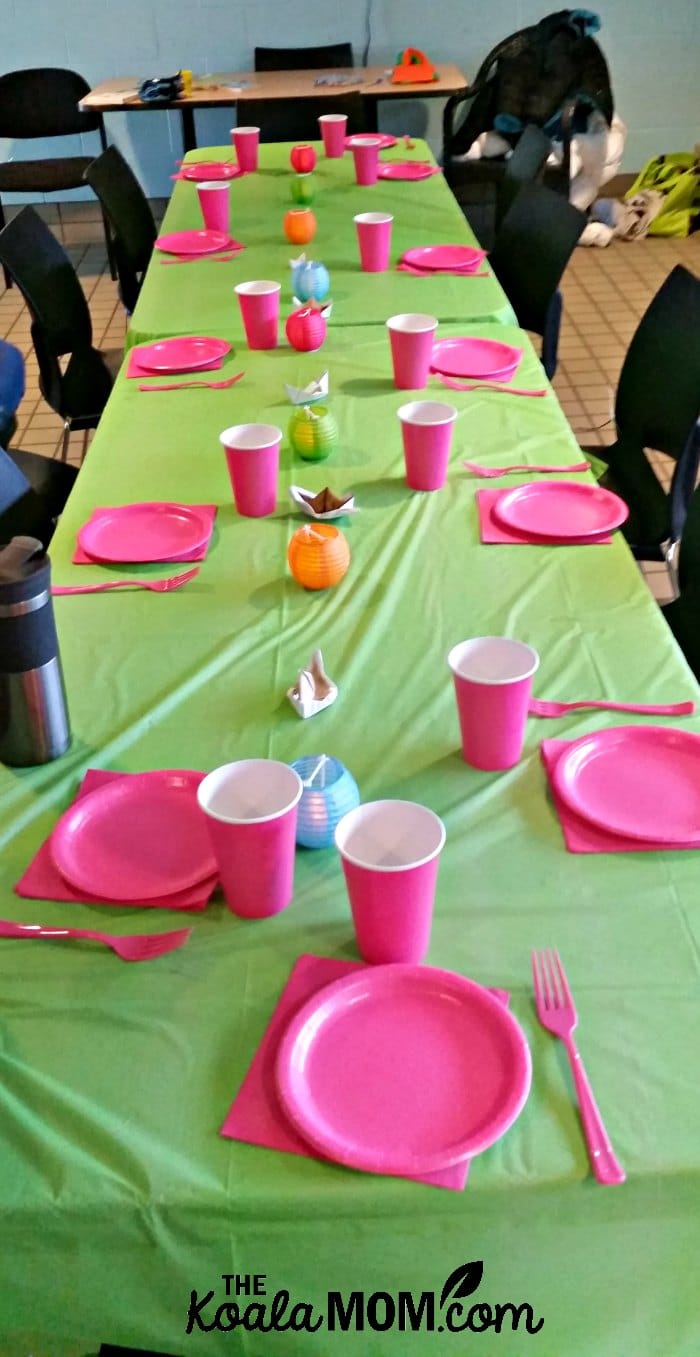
{"x": 318, "y": 556}
{"x": 299, "y": 225}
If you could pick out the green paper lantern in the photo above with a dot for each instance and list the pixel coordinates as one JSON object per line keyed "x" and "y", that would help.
{"x": 313, "y": 433}
{"x": 303, "y": 189}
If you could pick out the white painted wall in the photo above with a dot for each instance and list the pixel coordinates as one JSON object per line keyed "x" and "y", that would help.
{"x": 652, "y": 48}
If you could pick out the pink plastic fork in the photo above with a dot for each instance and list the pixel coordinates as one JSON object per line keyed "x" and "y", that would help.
{"x": 184, "y": 386}
{"x": 538, "y": 707}
{"x": 487, "y": 386}
{"x": 204, "y": 258}
{"x": 490, "y": 472}
{"x": 556, "y": 1012}
{"x": 165, "y": 586}
{"x": 134, "y": 947}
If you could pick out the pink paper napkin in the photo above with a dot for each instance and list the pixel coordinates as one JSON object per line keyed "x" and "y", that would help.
{"x": 492, "y": 531}
{"x": 255, "y": 1115}
{"x": 581, "y": 837}
{"x": 199, "y": 553}
{"x": 43, "y": 881}
{"x": 134, "y": 368}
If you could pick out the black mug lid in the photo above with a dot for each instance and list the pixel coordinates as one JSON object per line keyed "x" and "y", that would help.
{"x": 23, "y": 577}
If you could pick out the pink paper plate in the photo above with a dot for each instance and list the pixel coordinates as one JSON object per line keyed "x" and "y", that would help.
{"x": 475, "y": 357}
{"x": 408, "y": 169}
{"x": 210, "y": 169}
{"x": 384, "y": 138}
{"x": 560, "y": 508}
{"x": 186, "y": 353}
{"x": 441, "y": 257}
{"x": 144, "y": 532}
{"x": 402, "y": 1069}
{"x": 194, "y": 242}
{"x": 642, "y": 782}
{"x": 136, "y": 837}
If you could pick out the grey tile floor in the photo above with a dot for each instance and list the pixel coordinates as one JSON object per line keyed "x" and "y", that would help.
{"x": 605, "y": 293}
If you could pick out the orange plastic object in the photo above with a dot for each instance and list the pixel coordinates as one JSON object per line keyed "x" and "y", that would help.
{"x": 299, "y": 225}
{"x": 318, "y": 556}
{"x": 413, "y": 68}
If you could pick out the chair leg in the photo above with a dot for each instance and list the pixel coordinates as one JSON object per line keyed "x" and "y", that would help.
{"x": 109, "y": 246}
{"x": 7, "y": 276}
{"x": 66, "y": 440}
{"x": 550, "y": 337}
{"x": 85, "y": 445}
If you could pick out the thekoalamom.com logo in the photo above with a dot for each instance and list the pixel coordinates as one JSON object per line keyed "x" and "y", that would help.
{"x": 248, "y": 1306}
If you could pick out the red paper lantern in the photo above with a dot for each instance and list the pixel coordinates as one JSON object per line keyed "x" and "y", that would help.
{"x": 303, "y": 158}
{"x": 306, "y": 329}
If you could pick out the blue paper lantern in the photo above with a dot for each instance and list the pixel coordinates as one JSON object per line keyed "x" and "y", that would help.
{"x": 331, "y": 793}
{"x": 310, "y": 280}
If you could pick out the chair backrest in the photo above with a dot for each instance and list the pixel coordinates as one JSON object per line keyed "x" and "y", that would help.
{"x": 48, "y": 282}
{"x": 335, "y": 54}
{"x": 658, "y": 394}
{"x": 42, "y": 101}
{"x": 130, "y": 217}
{"x": 534, "y": 244}
{"x": 297, "y": 119}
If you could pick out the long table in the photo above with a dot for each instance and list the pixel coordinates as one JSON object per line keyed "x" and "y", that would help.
{"x": 118, "y": 1196}
{"x": 424, "y": 211}
{"x": 119, "y": 94}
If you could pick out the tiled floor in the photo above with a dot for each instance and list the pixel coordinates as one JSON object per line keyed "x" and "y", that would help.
{"x": 605, "y": 293}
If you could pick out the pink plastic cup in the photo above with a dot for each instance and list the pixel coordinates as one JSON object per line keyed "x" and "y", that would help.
{"x": 251, "y": 810}
{"x": 260, "y": 308}
{"x": 426, "y": 429}
{"x": 411, "y": 337}
{"x": 246, "y": 141}
{"x": 365, "y": 151}
{"x": 333, "y": 129}
{"x": 252, "y": 457}
{"x": 374, "y": 240}
{"x": 215, "y": 202}
{"x": 390, "y": 852}
{"x": 493, "y": 683}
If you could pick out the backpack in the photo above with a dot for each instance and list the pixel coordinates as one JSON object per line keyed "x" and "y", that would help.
{"x": 677, "y": 176}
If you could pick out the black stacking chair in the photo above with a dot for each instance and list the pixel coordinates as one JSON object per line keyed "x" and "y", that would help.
{"x": 297, "y": 119}
{"x": 683, "y": 614}
{"x": 33, "y": 492}
{"x": 42, "y": 102}
{"x": 657, "y": 406}
{"x": 534, "y": 244}
{"x": 131, "y": 224}
{"x": 61, "y": 329}
{"x": 550, "y": 74}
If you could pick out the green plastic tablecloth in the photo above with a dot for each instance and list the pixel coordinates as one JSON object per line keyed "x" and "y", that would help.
{"x": 424, "y": 211}
{"x": 118, "y": 1197}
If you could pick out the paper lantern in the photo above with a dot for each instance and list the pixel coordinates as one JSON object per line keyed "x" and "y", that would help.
{"x": 306, "y": 329}
{"x": 299, "y": 225}
{"x": 318, "y": 556}
{"x": 303, "y": 189}
{"x": 310, "y": 280}
{"x": 313, "y": 433}
{"x": 303, "y": 158}
{"x": 331, "y": 792}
